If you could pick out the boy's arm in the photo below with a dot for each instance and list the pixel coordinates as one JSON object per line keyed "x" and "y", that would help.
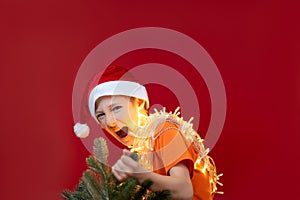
{"x": 178, "y": 182}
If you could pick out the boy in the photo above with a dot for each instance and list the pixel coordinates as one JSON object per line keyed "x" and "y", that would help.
{"x": 171, "y": 153}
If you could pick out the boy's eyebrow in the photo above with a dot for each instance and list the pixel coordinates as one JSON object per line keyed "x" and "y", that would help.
{"x": 112, "y": 105}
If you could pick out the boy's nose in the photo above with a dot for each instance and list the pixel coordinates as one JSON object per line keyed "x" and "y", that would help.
{"x": 110, "y": 120}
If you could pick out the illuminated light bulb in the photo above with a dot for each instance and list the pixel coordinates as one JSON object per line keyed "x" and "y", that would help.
{"x": 204, "y": 168}
{"x": 221, "y": 184}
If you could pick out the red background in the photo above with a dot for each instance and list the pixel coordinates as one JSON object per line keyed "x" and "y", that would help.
{"x": 255, "y": 45}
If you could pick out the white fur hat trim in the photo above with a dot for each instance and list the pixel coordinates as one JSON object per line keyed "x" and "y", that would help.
{"x": 126, "y": 88}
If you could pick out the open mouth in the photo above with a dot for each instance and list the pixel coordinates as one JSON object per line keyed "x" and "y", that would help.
{"x": 123, "y": 132}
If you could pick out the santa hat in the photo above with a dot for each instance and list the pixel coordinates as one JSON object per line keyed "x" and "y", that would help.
{"x": 114, "y": 81}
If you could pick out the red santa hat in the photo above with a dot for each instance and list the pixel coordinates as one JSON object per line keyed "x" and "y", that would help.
{"x": 114, "y": 81}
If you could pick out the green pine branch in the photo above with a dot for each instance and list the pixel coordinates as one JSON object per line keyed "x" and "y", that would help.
{"x": 92, "y": 184}
{"x": 102, "y": 171}
{"x": 79, "y": 193}
{"x": 143, "y": 190}
{"x": 98, "y": 182}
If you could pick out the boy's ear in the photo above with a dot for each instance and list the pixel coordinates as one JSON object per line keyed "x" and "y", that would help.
{"x": 141, "y": 103}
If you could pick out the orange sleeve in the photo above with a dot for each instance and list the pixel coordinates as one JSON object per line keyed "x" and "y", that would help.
{"x": 201, "y": 186}
{"x": 172, "y": 148}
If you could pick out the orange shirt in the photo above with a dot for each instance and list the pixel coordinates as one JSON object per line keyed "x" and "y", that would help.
{"x": 172, "y": 148}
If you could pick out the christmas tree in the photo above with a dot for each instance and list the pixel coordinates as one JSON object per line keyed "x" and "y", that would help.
{"x": 98, "y": 182}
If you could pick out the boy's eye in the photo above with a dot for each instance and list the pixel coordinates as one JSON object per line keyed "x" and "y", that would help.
{"x": 100, "y": 116}
{"x": 116, "y": 108}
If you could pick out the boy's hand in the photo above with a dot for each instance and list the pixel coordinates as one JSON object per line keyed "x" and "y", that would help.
{"x": 127, "y": 166}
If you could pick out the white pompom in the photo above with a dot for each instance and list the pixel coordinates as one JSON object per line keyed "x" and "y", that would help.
{"x": 81, "y": 130}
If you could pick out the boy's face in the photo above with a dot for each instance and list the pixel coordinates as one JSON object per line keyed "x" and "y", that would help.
{"x": 118, "y": 115}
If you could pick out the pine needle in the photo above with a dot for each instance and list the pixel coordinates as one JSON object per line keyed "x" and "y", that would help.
{"x": 101, "y": 150}
{"x": 92, "y": 184}
{"x": 66, "y": 194}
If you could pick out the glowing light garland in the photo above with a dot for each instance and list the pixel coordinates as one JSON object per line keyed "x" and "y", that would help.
{"x": 146, "y": 136}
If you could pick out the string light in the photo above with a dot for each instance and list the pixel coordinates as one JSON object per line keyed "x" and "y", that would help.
{"x": 146, "y": 135}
